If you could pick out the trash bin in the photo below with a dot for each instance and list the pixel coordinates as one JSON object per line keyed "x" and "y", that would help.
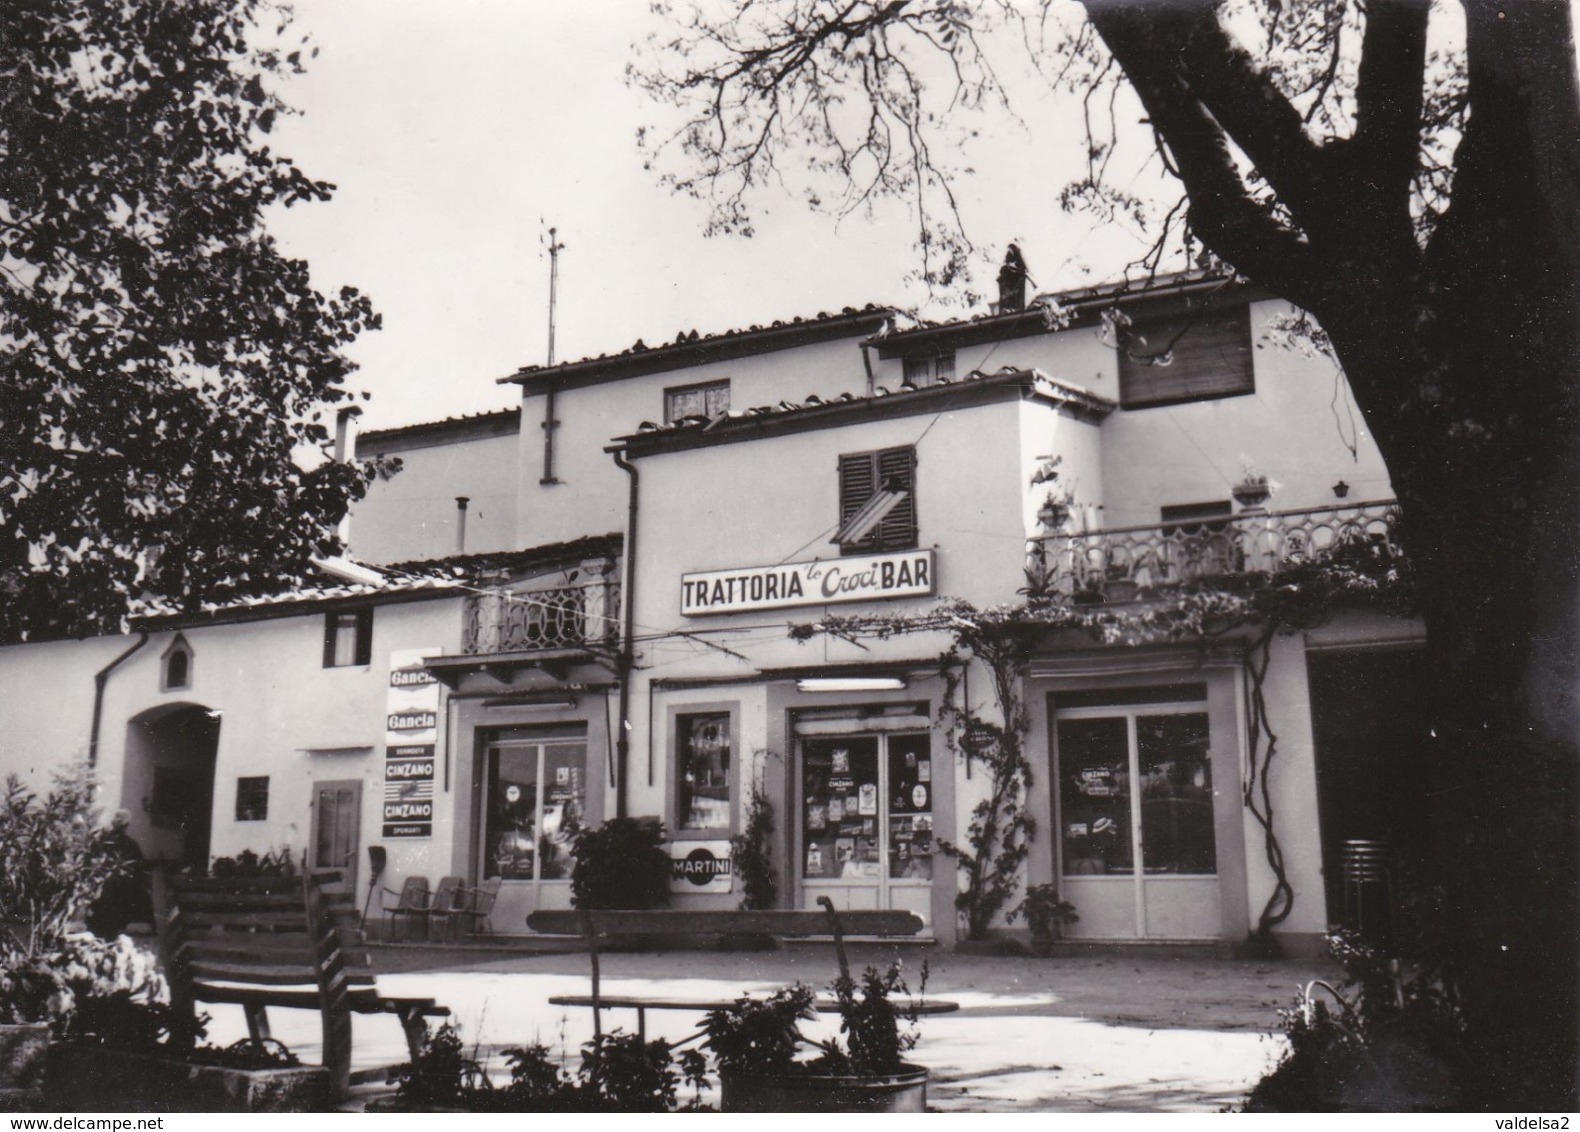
{"x": 1367, "y": 868}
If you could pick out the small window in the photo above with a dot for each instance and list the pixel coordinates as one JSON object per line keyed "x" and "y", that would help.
{"x": 703, "y": 771}
{"x": 1192, "y": 357}
{"x": 175, "y": 671}
{"x": 707, "y": 400}
{"x": 252, "y": 798}
{"x": 348, "y": 638}
{"x": 877, "y": 501}
{"x": 929, "y": 370}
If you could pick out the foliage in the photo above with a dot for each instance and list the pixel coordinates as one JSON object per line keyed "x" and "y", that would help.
{"x": 164, "y": 363}
{"x": 273, "y": 863}
{"x": 1383, "y": 1040}
{"x": 1046, "y": 912}
{"x": 751, "y": 853}
{"x": 759, "y": 1036}
{"x": 53, "y": 861}
{"x": 762, "y": 1037}
{"x": 621, "y": 864}
{"x": 999, "y": 834}
{"x": 60, "y": 986}
{"x": 619, "y": 1073}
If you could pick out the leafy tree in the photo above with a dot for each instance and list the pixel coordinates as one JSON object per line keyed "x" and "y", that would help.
{"x": 165, "y": 367}
{"x": 1417, "y": 194}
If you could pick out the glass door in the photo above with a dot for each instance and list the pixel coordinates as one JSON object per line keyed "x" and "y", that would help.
{"x": 1137, "y": 854}
{"x": 534, "y": 796}
{"x": 866, "y": 821}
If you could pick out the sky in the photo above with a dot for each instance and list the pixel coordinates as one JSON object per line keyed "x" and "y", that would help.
{"x": 459, "y": 131}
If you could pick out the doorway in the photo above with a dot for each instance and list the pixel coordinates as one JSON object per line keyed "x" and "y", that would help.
{"x": 337, "y": 828}
{"x": 168, "y": 783}
{"x": 534, "y": 804}
{"x": 866, "y": 821}
{"x": 1137, "y": 852}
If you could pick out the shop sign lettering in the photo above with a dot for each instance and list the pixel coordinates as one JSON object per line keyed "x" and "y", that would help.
{"x": 878, "y": 577}
{"x": 699, "y": 866}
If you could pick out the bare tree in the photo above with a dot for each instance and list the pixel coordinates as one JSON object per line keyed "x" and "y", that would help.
{"x": 1422, "y": 202}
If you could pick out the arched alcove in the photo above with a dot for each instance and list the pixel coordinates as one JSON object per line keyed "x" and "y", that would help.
{"x": 168, "y": 782}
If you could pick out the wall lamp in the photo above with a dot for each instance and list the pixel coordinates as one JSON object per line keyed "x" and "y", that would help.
{"x": 850, "y": 684}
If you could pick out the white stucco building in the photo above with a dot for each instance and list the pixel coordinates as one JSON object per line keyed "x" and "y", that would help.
{"x": 594, "y": 593}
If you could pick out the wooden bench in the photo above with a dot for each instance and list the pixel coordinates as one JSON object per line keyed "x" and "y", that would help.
{"x": 595, "y": 928}
{"x": 259, "y": 942}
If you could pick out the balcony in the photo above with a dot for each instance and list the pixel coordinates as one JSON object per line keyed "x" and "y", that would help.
{"x": 575, "y": 617}
{"x": 1124, "y": 563}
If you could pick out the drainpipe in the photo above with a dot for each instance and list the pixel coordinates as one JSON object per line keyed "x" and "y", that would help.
{"x": 100, "y": 679}
{"x": 626, "y": 661}
{"x": 460, "y": 523}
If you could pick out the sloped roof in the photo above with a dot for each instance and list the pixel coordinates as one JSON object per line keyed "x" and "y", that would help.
{"x": 820, "y": 412}
{"x": 691, "y": 348}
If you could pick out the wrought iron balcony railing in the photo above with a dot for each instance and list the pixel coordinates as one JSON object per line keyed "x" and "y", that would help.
{"x": 575, "y": 616}
{"x": 1125, "y": 562}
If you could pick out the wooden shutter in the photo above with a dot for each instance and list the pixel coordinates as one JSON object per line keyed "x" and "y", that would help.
{"x": 1211, "y": 357}
{"x": 861, "y": 475}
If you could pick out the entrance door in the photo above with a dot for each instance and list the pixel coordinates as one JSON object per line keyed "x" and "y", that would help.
{"x": 866, "y": 822}
{"x": 534, "y": 796}
{"x": 337, "y": 828}
{"x": 1135, "y": 809}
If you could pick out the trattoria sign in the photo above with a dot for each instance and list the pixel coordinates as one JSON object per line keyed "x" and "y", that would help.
{"x": 876, "y": 577}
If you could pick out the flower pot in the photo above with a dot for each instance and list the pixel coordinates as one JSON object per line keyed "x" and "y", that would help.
{"x": 806, "y": 1092}
{"x": 81, "y": 1078}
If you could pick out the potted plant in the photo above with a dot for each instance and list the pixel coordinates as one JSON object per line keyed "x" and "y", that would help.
{"x": 758, "y": 1042}
{"x": 1046, "y": 914}
{"x": 621, "y": 864}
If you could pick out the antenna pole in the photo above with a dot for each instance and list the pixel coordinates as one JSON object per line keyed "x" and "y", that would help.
{"x": 555, "y": 247}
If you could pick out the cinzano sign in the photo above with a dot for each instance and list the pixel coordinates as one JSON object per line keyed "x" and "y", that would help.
{"x": 876, "y": 577}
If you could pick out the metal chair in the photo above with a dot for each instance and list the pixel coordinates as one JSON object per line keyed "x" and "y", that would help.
{"x": 411, "y": 900}
{"x": 474, "y": 907}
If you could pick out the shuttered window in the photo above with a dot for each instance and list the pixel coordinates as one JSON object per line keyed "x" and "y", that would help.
{"x": 861, "y": 476}
{"x": 1193, "y": 357}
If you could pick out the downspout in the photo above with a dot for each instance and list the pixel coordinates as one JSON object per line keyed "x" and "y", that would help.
{"x": 626, "y": 661}
{"x": 100, "y": 679}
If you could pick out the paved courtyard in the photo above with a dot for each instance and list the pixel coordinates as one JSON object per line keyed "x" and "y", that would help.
{"x": 1084, "y": 1034}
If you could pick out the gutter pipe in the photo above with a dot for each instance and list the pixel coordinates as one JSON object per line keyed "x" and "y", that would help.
{"x": 100, "y": 679}
{"x": 626, "y": 661}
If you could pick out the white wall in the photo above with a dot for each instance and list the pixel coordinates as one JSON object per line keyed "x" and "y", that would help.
{"x": 590, "y": 498}
{"x": 412, "y": 515}
{"x": 281, "y": 714}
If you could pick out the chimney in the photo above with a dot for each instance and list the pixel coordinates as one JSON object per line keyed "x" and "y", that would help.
{"x": 1012, "y": 282}
{"x": 460, "y": 523}
{"x": 343, "y": 432}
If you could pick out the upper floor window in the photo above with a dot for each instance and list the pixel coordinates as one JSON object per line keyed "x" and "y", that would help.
{"x": 703, "y": 745}
{"x": 877, "y": 501}
{"x": 931, "y": 368}
{"x": 706, "y": 400}
{"x": 1192, "y": 357}
{"x": 348, "y": 637}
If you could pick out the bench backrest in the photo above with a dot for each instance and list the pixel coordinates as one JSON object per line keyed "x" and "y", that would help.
{"x": 790, "y": 923}
{"x": 260, "y": 932}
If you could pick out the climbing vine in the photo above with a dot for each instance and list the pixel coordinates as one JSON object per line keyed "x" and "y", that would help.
{"x": 1359, "y": 571}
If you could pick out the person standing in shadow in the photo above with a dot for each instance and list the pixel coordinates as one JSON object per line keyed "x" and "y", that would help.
{"x": 124, "y": 899}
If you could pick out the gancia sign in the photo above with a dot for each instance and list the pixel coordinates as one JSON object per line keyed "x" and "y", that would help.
{"x": 876, "y": 577}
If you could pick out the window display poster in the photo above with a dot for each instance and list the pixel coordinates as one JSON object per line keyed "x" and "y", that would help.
{"x": 867, "y": 799}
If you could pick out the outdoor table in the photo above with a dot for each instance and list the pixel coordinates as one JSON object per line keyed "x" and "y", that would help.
{"x": 823, "y": 1005}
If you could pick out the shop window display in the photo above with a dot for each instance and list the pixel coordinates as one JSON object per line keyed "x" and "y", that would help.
{"x": 537, "y": 796}
{"x": 865, "y": 816}
{"x": 703, "y": 743}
